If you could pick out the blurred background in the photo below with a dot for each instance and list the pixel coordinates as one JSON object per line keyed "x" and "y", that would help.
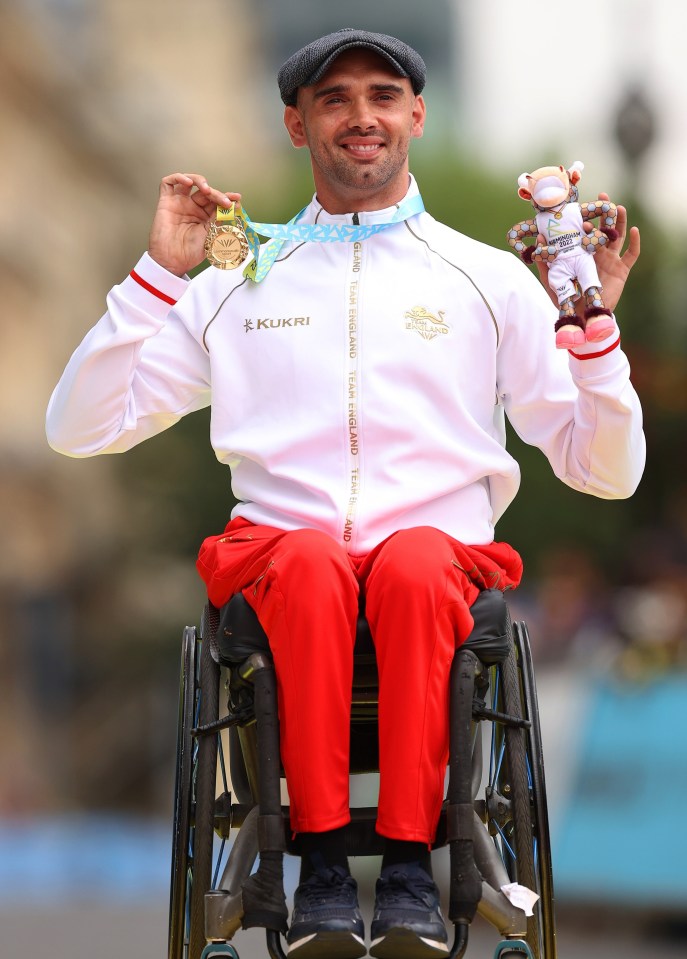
{"x": 98, "y": 100}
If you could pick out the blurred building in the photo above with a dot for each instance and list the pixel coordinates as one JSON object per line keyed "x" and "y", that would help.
{"x": 98, "y": 101}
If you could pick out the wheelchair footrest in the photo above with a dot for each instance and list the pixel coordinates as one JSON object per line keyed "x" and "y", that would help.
{"x": 510, "y": 948}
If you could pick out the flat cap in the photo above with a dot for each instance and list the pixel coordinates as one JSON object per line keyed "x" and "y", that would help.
{"x": 309, "y": 64}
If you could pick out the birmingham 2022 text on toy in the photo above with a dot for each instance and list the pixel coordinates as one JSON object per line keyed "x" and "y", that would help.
{"x": 566, "y": 248}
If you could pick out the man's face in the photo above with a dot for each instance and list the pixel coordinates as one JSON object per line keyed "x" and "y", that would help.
{"x": 357, "y": 122}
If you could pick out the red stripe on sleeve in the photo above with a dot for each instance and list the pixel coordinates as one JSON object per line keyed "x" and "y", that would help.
{"x": 151, "y": 289}
{"x": 593, "y": 356}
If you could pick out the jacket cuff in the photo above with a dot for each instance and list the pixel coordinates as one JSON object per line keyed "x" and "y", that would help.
{"x": 152, "y": 287}
{"x": 590, "y": 359}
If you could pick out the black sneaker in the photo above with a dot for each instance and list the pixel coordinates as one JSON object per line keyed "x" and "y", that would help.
{"x": 407, "y": 922}
{"x": 326, "y": 921}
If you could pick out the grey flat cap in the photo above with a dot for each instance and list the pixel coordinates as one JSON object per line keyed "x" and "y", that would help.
{"x": 308, "y": 65}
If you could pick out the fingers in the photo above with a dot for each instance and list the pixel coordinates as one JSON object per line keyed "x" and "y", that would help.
{"x": 621, "y": 226}
{"x": 542, "y": 269}
{"x": 543, "y": 272}
{"x": 631, "y": 254}
{"x": 181, "y": 183}
{"x": 197, "y": 187}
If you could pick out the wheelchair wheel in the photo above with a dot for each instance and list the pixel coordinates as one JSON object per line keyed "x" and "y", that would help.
{"x": 194, "y": 799}
{"x": 540, "y": 813}
{"x": 516, "y": 794}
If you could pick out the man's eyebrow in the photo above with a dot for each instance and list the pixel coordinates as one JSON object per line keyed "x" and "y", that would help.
{"x": 327, "y": 91}
{"x": 388, "y": 87}
{"x": 342, "y": 88}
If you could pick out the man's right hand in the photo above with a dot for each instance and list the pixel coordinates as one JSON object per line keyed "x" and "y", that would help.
{"x": 184, "y": 212}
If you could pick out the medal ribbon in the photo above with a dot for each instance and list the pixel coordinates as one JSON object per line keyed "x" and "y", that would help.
{"x": 281, "y": 233}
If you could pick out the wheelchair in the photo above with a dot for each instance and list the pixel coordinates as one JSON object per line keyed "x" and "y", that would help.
{"x": 228, "y": 811}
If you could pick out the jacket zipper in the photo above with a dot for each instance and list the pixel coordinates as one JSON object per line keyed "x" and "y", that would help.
{"x": 352, "y": 396}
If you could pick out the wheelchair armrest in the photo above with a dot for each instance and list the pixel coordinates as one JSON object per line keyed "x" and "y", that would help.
{"x": 239, "y": 633}
{"x": 490, "y": 639}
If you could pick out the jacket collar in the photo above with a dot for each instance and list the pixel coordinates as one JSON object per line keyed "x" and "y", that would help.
{"x": 315, "y": 212}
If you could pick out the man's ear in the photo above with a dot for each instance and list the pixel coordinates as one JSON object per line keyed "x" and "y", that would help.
{"x": 293, "y": 121}
{"x": 419, "y": 114}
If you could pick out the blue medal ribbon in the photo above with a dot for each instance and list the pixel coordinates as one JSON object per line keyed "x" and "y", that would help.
{"x": 293, "y": 231}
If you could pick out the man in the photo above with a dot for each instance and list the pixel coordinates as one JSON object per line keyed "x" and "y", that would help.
{"x": 358, "y": 395}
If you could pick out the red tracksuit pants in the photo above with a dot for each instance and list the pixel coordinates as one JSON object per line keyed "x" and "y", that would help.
{"x": 418, "y": 587}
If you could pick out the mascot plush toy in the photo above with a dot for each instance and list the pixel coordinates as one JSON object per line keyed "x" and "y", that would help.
{"x": 561, "y": 242}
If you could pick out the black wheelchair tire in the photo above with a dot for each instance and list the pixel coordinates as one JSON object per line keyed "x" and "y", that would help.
{"x": 524, "y": 776}
{"x": 194, "y": 800}
{"x": 540, "y": 818}
{"x": 523, "y": 866}
{"x": 181, "y": 828}
{"x": 204, "y": 805}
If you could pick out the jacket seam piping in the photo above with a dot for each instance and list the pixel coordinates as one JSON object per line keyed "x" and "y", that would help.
{"x": 465, "y": 274}
{"x": 217, "y": 311}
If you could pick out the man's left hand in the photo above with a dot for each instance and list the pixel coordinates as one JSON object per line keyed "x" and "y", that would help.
{"x": 612, "y": 264}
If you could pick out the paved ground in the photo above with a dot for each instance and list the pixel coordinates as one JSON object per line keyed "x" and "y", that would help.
{"x": 54, "y": 889}
{"x": 88, "y": 931}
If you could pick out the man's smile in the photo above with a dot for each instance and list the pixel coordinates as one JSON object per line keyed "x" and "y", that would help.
{"x": 363, "y": 150}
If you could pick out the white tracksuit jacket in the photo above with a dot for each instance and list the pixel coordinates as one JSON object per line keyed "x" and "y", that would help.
{"x": 361, "y": 387}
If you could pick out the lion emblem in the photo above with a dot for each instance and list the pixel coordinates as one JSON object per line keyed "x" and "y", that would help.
{"x": 425, "y": 323}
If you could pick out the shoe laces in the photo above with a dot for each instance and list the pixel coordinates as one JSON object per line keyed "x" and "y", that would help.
{"x": 409, "y": 880}
{"x": 318, "y": 887}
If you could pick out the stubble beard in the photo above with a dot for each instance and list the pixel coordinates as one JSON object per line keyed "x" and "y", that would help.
{"x": 351, "y": 174}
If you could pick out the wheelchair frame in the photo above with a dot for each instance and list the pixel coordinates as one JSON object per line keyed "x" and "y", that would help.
{"x": 508, "y": 830}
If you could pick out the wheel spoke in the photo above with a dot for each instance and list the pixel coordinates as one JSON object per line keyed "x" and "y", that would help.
{"x": 511, "y": 851}
{"x": 499, "y": 762}
{"x": 497, "y": 737}
{"x": 220, "y": 854}
{"x": 223, "y": 767}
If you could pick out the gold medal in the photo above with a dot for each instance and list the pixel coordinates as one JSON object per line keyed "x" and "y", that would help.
{"x": 226, "y": 246}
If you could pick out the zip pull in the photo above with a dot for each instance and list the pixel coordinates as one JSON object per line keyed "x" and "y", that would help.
{"x": 356, "y": 220}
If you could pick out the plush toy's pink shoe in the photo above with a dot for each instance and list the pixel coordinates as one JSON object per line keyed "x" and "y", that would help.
{"x": 598, "y": 328}
{"x": 566, "y": 339}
